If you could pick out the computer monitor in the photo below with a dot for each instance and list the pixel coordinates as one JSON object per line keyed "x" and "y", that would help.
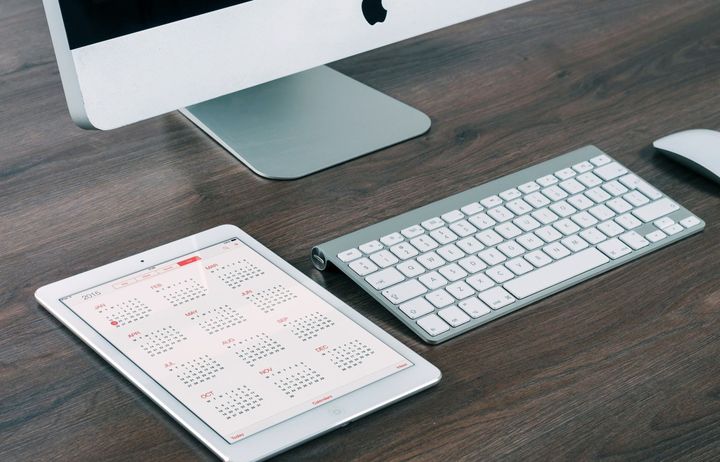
{"x": 248, "y": 72}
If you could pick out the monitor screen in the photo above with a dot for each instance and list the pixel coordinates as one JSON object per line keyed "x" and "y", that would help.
{"x": 93, "y": 21}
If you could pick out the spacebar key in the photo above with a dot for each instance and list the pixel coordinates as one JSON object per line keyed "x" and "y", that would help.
{"x": 555, "y": 273}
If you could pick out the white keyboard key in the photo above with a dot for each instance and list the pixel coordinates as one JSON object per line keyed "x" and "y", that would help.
{"x": 593, "y": 235}
{"x": 363, "y": 266}
{"x": 655, "y": 236}
{"x": 575, "y": 243}
{"x": 598, "y": 195}
{"x": 584, "y": 219}
{"x": 545, "y": 216}
{"x": 440, "y": 298}
{"x": 538, "y": 258}
{"x": 482, "y": 221}
{"x": 497, "y": 297}
{"x": 567, "y": 227}
{"x": 416, "y": 308}
{"x": 601, "y": 212}
{"x": 489, "y": 237}
{"x": 492, "y": 201}
{"x": 589, "y": 179}
{"x": 403, "y": 250}
{"x": 410, "y": 268}
{"x": 370, "y": 247}
{"x": 472, "y": 208}
{"x": 472, "y": 264}
{"x": 555, "y": 273}
{"x": 526, "y": 223}
{"x": 450, "y": 252}
{"x": 610, "y": 171}
{"x": 572, "y": 186}
{"x": 636, "y": 198}
{"x": 519, "y": 266}
{"x": 432, "y": 223}
{"x": 500, "y": 214}
{"x": 673, "y": 229}
{"x": 460, "y": 290}
{"x": 519, "y": 207}
{"x": 563, "y": 209}
{"x": 634, "y": 182}
{"x": 392, "y": 239}
{"x": 452, "y": 216}
{"x": 530, "y": 241}
{"x": 462, "y": 228}
{"x": 602, "y": 159}
{"x": 474, "y": 307}
{"x": 480, "y": 282}
{"x": 424, "y": 243}
{"x": 614, "y": 188}
{"x": 443, "y": 235}
{"x": 404, "y": 291}
{"x": 508, "y": 230}
{"x": 583, "y": 167}
{"x": 384, "y": 259}
{"x": 385, "y": 278}
{"x": 433, "y": 280}
{"x": 690, "y": 221}
{"x": 500, "y": 274}
{"x": 454, "y": 316}
{"x": 634, "y": 240}
{"x": 537, "y": 200}
{"x": 511, "y": 249}
{"x": 452, "y": 272}
{"x": 529, "y": 187}
{"x": 580, "y": 202}
{"x": 546, "y": 180}
{"x": 510, "y": 194}
{"x": 554, "y": 193}
{"x": 431, "y": 260}
{"x": 664, "y": 222}
{"x": 628, "y": 221}
{"x": 412, "y": 231}
{"x": 619, "y": 205}
{"x": 492, "y": 256}
{"x": 656, "y": 210}
{"x": 556, "y": 250}
{"x": 548, "y": 234}
{"x": 470, "y": 245}
{"x": 614, "y": 248}
{"x": 349, "y": 255}
{"x": 433, "y": 325}
{"x": 565, "y": 173}
{"x": 610, "y": 228}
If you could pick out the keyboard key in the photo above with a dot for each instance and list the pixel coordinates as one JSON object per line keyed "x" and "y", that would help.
{"x": 392, "y": 239}
{"x": 610, "y": 228}
{"x": 554, "y": 193}
{"x": 462, "y": 228}
{"x": 567, "y": 227}
{"x": 500, "y": 214}
{"x": 385, "y": 278}
{"x": 499, "y": 274}
{"x": 530, "y": 186}
{"x": 489, "y": 237}
{"x": 545, "y": 216}
{"x": 431, "y": 260}
{"x": 349, "y": 255}
{"x": 575, "y": 243}
{"x": 633, "y": 182}
{"x": 450, "y": 252}
{"x": 664, "y": 222}
{"x": 601, "y": 212}
{"x": 565, "y": 173}
{"x": 589, "y": 179}
{"x": 656, "y": 210}
{"x": 511, "y": 249}
{"x": 614, "y": 248}
{"x": 563, "y": 209}
{"x": 593, "y": 235}
{"x": 492, "y": 201}
{"x": 673, "y": 229}
{"x": 519, "y": 207}
{"x": 636, "y": 198}
{"x": 433, "y": 280}
{"x": 580, "y": 202}
{"x": 555, "y": 273}
{"x": 480, "y": 282}
{"x": 443, "y": 236}
{"x": 384, "y": 259}
{"x": 492, "y": 256}
{"x": 371, "y": 247}
{"x": 460, "y": 290}
{"x": 614, "y": 188}
{"x": 453, "y": 272}
{"x": 619, "y": 205}
{"x": 510, "y": 194}
{"x": 583, "y": 167}
{"x": 470, "y": 245}
{"x": 497, "y": 297}
{"x": 482, "y": 221}
{"x": 628, "y": 221}
{"x": 404, "y": 291}
{"x": 440, "y": 298}
{"x": 537, "y": 200}
{"x": 548, "y": 234}
{"x": 412, "y": 231}
{"x": 424, "y": 243}
{"x": 472, "y": 264}
{"x": 519, "y": 266}
{"x": 572, "y": 186}
{"x": 602, "y": 159}
{"x": 410, "y": 268}
{"x": 584, "y": 219}
{"x": 530, "y": 241}
{"x": 546, "y": 180}
{"x": 363, "y": 267}
{"x": 526, "y": 223}
{"x": 454, "y": 316}
{"x": 690, "y": 221}
{"x": 597, "y": 195}
{"x": 634, "y": 240}
{"x": 655, "y": 236}
{"x": 474, "y": 307}
{"x": 453, "y": 216}
{"x": 538, "y": 258}
{"x": 508, "y": 230}
{"x": 433, "y": 325}
{"x": 472, "y": 208}
{"x": 416, "y": 308}
{"x": 432, "y": 223}
{"x": 403, "y": 250}
{"x": 556, "y": 250}
{"x": 610, "y": 171}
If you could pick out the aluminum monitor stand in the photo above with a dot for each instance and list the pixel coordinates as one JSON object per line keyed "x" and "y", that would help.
{"x": 307, "y": 122}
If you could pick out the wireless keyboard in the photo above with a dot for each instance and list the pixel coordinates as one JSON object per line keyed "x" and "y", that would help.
{"x": 463, "y": 261}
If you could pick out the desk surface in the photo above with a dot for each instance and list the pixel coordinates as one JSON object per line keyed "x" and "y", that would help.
{"x": 623, "y": 366}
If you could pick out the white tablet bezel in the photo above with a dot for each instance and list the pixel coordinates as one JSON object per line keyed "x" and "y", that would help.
{"x": 279, "y": 437}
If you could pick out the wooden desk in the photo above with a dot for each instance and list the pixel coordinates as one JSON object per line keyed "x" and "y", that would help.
{"x": 625, "y": 366}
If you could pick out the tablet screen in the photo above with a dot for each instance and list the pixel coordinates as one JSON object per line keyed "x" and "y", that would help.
{"x": 238, "y": 341}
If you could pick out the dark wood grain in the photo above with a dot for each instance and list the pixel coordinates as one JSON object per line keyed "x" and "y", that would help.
{"x": 625, "y": 366}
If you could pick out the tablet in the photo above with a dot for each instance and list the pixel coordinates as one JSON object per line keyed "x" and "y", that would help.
{"x": 242, "y": 349}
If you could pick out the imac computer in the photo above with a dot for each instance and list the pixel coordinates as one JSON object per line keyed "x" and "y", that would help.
{"x": 250, "y": 73}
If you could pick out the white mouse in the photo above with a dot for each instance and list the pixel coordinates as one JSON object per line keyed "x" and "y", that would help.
{"x": 697, "y": 149}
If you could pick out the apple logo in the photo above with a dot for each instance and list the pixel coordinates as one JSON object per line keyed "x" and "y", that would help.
{"x": 374, "y": 11}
